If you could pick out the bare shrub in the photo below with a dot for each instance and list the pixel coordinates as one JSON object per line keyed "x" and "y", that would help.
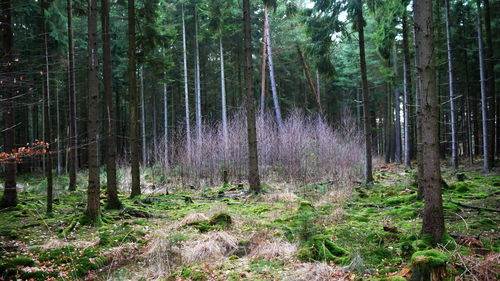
{"x": 161, "y": 254}
{"x": 320, "y": 272}
{"x": 269, "y": 249}
{"x": 307, "y": 150}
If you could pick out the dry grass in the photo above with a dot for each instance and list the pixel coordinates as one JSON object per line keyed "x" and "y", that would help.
{"x": 161, "y": 255}
{"x": 191, "y": 218}
{"x": 269, "y": 249}
{"x": 211, "y": 246}
{"x": 319, "y": 272}
{"x": 479, "y": 269}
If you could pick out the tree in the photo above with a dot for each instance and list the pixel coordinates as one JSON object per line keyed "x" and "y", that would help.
{"x": 186, "y": 92}
{"x": 396, "y": 105}
{"x": 109, "y": 124}
{"x": 454, "y": 152}
{"x": 484, "y": 100}
{"x": 357, "y": 11}
{"x": 93, "y": 191}
{"x": 73, "y": 135}
{"x": 46, "y": 113}
{"x": 491, "y": 85}
{"x": 406, "y": 89}
{"x": 197, "y": 80}
{"x": 134, "y": 132}
{"x": 9, "y": 197}
{"x": 271, "y": 70}
{"x": 433, "y": 219}
{"x": 253, "y": 161}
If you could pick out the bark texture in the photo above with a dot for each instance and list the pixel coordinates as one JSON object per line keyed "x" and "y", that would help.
{"x": 433, "y": 220}
{"x": 253, "y": 162}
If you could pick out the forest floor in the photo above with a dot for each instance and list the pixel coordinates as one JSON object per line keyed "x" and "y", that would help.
{"x": 315, "y": 232}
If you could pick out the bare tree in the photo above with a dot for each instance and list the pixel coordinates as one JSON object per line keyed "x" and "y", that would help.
{"x": 73, "y": 135}
{"x": 454, "y": 152}
{"x": 484, "y": 101}
{"x": 186, "y": 92}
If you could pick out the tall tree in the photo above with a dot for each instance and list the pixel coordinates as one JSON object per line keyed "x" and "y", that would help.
{"x": 9, "y": 197}
{"x": 406, "y": 89}
{"x": 109, "y": 124}
{"x": 186, "y": 92}
{"x": 396, "y": 105}
{"x": 93, "y": 191}
{"x": 134, "y": 120}
{"x": 490, "y": 67}
{"x": 454, "y": 150}
{"x": 197, "y": 80}
{"x": 433, "y": 219}
{"x": 360, "y": 22}
{"x": 73, "y": 135}
{"x": 263, "y": 70}
{"x": 271, "y": 71}
{"x": 143, "y": 120}
{"x": 165, "y": 118}
{"x": 484, "y": 100}
{"x": 46, "y": 112}
{"x": 253, "y": 160}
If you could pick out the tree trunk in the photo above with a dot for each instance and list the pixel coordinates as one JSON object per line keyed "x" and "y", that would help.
{"x": 490, "y": 67}
{"x": 467, "y": 100}
{"x": 433, "y": 219}
{"x": 484, "y": 101}
{"x": 253, "y": 161}
{"x": 109, "y": 124}
{"x": 317, "y": 88}
{"x": 186, "y": 93}
{"x": 132, "y": 89}
{"x": 73, "y": 135}
{"x": 454, "y": 151}
{"x": 418, "y": 109}
{"x": 406, "y": 91}
{"x": 46, "y": 114}
{"x": 263, "y": 71}
{"x": 59, "y": 154}
{"x": 308, "y": 75}
{"x": 93, "y": 191}
{"x": 271, "y": 72}
{"x": 388, "y": 127}
{"x": 396, "y": 105}
{"x": 197, "y": 81}
{"x": 366, "y": 101}
{"x": 143, "y": 121}
{"x": 153, "y": 105}
{"x": 223, "y": 93}
{"x": 165, "y": 119}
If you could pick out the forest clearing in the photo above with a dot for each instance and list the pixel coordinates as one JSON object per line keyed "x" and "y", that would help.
{"x": 250, "y": 140}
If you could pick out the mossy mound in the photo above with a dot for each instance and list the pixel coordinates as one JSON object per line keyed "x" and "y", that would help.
{"x": 223, "y": 220}
{"x": 305, "y": 206}
{"x": 321, "y": 248}
{"x": 428, "y": 259}
{"x": 202, "y": 225}
{"x": 462, "y": 186}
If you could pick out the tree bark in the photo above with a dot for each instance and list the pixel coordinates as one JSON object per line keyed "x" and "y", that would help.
{"x": 484, "y": 101}
{"x": 308, "y": 75}
{"x": 467, "y": 101}
{"x": 165, "y": 119}
{"x": 396, "y": 105}
{"x": 406, "y": 92}
{"x": 93, "y": 191}
{"x": 366, "y": 101}
{"x": 143, "y": 121}
{"x": 263, "y": 70}
{"x": 132, "y": 89}
{"x": 454, "y": 150}
{"x": 490, "y": 67}
{"x": 223, "y": 93}
{"x": 186, "y": 92}
{"x": 271, "y": 72}
{"x": 46, "y": 114}
{"x": 433, "y": 219}
{"x": 253, "y": 161}
{"x": 73, "y": 135}
{"x": 317, "y": 88}
{"x": 197, "y": 81}
{"x": 109, "y": 124}
{"x": 388, "y": 127}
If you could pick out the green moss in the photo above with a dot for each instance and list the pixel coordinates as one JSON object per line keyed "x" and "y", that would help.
{"x": 188, "y": 199}
{"x": 462, "y": 186}
{"x": 321, "y": 248}
{"x": 35, "y": 275}
{"x": 407, "y": 249}
{"x": 428, "y": 259}
{"x": 305, "y": 206}
{"x": 488, "y": 223}
{"x": 448, "y": 242}
{"x": 22, "y": 261}
{"x": 427, "y": 241}
{"x": 202, "y": 225}
{"x": 223, "y": 220}
{"x": 396, "y": 278}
